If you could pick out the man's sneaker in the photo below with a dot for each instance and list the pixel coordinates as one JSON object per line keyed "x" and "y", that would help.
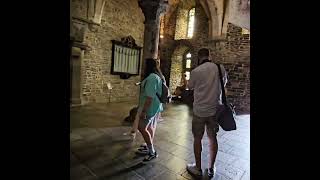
{"x": 150, "y": 157}
{"x": 192, "y": 169}
{"x": 212, "y": 171}
{"x": 142, "y": 151}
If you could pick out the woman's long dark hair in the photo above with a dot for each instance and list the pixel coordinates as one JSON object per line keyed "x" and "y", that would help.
{"x": 152, "y": 66}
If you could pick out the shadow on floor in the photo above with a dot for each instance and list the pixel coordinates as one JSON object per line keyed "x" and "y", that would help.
{"x": 102, "y": 147}
{"x": 123, "y": 171}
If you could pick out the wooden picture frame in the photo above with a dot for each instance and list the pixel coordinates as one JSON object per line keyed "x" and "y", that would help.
{"x": 126, "y": 57}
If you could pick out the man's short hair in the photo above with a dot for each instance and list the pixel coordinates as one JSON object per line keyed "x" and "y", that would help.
{"x": 203, "y": 52}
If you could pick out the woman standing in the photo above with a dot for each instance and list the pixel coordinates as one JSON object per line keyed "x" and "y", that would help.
{"x": 150, "y": 107}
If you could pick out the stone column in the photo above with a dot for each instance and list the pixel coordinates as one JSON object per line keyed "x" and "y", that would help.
{"x": 95, "y": 10}
{"x": 77, "y": 56}
{"x": 77, "y": 49}
{"x": 152, "y": 10}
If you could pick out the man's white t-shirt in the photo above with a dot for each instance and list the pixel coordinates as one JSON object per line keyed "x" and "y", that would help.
{"x": 205, "y": 82}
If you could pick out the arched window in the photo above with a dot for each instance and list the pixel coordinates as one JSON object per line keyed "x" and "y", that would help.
{"x": 188, "y": 65}
{"x": 191, "y": 15}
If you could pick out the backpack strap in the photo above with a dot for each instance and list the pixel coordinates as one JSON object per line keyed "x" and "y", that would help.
{"x": 161, "y": 90}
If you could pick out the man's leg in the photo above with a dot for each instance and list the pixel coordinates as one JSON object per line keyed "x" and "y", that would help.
{"x": 197, "y": 147}
{"x": 198, "y": 126}
{"x": 213, "y": 149}
{"x": 212, "y": 129}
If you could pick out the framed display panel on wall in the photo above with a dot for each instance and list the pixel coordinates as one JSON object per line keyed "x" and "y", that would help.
{"x": 126, "y": 58}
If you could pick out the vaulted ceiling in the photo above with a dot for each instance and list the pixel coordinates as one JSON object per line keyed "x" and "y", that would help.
{"x": 220, "y": 13}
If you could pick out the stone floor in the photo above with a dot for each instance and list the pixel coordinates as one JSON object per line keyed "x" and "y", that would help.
{"x": 99, "y": 150}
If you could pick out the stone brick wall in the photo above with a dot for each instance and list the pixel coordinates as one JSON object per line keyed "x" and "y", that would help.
{"x": 201, "y": 31}
{"x": 177, "y": 69}
{"x": 239, "y": 85}
{"x": 78, "y": 8}
{"x": 233, "y": 53}
{"x": 181, "y": 24}
{"x": 120, "y": 18}
{"x": 176, "y": 72}
{"x": 182, "y": 18}
{"x": 169, "y": 46}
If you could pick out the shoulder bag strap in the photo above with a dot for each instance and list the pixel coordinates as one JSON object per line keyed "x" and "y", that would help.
{"x": 224, "y": 99}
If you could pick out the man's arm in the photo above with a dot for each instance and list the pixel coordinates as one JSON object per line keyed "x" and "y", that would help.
{"x": 225, "y": 78}
{"x": 191, "y": 82}
{"x": 225, "y": 75}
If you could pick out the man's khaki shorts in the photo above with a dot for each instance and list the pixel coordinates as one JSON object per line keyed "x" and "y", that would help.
{"x": 199, "y": 123}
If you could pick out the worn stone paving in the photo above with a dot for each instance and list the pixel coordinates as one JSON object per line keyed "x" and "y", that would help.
{"x": 100, "y": 150}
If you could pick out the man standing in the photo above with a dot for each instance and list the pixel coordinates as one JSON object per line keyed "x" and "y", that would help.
{"x": 205, "y": 82}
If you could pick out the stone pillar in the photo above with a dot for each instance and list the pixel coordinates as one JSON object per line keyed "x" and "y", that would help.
{"x": 75, "y": 67}
{"x": 77, "y": 49}
{"x": 95, "y": 10}
{"x": 152, "y": 10}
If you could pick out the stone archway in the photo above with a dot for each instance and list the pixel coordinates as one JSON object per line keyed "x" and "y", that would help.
{"x": 177, "y": 58}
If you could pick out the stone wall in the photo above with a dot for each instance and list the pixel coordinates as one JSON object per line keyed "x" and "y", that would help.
{"x": 181, "y": 24}
{"x": 176, "y": 72}
{"x": 176, "y": 69}
{"x": 233, "y": 53}
{"x": 79, "y": 8}
{"x": 120, "y": 18}
{"x": 182, "y": 18}
{"x": 169, "y": 46}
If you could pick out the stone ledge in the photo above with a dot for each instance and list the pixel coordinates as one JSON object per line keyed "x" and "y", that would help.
{"x": 86, "y": 21}
{"x": 81, "y": 46}
{"x": 217, "y": 39}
